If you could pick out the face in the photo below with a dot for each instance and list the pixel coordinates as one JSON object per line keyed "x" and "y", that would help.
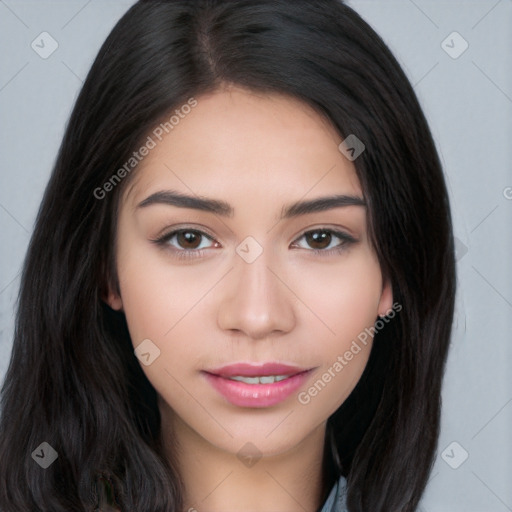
{"x": 255, "y": 288}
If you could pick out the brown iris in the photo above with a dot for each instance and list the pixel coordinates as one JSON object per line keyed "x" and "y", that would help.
{"x": 188, "y": 239}
{"x": 318, "y": 237}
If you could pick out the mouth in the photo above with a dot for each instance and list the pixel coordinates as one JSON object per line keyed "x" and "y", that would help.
{"x": 257, "y": 386}
{"x": 263, "y": 379}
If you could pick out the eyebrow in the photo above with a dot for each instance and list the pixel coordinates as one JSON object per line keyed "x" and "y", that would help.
{"x": 219, "y": 207}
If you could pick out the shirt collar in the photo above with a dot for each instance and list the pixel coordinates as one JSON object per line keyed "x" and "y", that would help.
{"x": 336, "y": 501}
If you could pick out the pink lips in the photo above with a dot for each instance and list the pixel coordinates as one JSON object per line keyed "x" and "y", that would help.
{"x": 256, "y": 395}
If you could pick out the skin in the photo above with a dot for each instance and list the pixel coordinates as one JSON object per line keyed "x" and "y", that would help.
{"x": 258, "y": 153}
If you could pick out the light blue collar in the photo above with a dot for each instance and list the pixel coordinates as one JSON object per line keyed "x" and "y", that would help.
{"x": 336, "y": 501}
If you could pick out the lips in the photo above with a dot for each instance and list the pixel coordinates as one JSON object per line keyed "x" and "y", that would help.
{"x": 249, "y": 385}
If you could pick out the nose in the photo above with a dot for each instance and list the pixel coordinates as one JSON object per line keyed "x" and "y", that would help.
{"x": 256, "y": 299}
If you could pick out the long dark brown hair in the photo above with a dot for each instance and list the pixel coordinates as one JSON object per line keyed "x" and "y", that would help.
{"x": 73, "y": 379}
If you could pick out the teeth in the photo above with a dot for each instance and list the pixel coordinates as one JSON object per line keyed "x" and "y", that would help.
{"x": 266, "y": 379}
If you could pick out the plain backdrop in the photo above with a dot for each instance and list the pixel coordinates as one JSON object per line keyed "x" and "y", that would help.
{"x": 457, "y": 56}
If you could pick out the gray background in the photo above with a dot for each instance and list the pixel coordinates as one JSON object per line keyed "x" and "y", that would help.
{"x": 468, "y": 102}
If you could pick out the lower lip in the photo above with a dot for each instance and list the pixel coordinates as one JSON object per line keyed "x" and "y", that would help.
{"x": 256, "y": 395}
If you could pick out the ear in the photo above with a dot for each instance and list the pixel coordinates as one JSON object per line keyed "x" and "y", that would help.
{"x": 109, "y": 287}
{"x": 112, "y": 296}
{"x": 386, "y": 298}
{"x": 114, "y": 301}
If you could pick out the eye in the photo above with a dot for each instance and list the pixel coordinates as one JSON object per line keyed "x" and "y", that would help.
{"x": 187, "y": 243}
{"x": 321, "y": 240}
{"x": 189, "y": 239}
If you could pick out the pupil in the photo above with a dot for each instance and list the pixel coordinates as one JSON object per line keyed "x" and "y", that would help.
{"x": 188, "y": 238}
{"x": 319, "y": 237}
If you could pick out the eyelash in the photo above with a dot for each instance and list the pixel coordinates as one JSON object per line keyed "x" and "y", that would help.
{"x": 186, "y": 254}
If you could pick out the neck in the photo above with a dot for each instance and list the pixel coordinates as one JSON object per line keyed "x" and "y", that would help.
{"x": 217, "y": 480}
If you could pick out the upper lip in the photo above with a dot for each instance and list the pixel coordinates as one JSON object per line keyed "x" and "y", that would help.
{"x": 256, "y": 370}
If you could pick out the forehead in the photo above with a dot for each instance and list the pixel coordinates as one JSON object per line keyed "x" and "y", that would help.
{"x": 236, "y": 143}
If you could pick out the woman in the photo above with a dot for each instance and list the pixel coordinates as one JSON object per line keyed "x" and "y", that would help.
{"x": 240, "y": 287}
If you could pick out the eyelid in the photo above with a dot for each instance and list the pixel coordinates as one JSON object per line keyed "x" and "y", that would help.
{"x": 199, "y": 228}
{"x": 339, "y": 232}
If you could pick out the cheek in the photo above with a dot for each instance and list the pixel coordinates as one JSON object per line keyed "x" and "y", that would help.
{"x": 148, "y": 308}
{"x": 341, "y": 300}
{"x": 161, "y": 304}
{"x": 156, "y": 294}
{"x": 345, "y": 305}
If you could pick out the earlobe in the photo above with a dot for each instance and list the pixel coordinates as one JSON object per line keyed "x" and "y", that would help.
{"x": 110, "y": 294}
{"x": 114, "y": 301}
{"x": 386, "y": 299}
